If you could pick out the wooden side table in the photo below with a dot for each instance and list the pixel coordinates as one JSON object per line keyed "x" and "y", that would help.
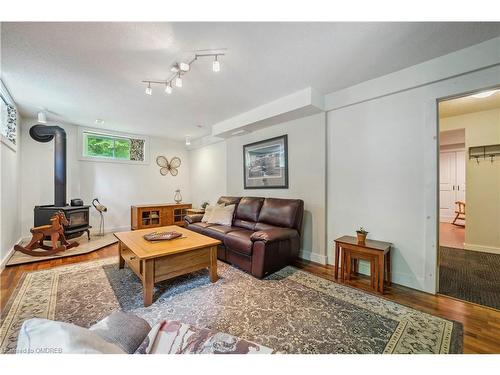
{"x": 348, "y": 251}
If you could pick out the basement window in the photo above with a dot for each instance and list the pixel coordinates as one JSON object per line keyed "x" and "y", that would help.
{"x": 112, "y": 147}
{"x": 8, "y": 119}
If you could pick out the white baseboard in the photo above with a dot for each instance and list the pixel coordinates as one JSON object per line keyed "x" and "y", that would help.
{"x": 7, "y": 257}
{"x": 313, "y": 257}
{"x": 484, "y": 249}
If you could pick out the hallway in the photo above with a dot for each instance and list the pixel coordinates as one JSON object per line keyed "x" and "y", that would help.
{"x": 451, "y": 235}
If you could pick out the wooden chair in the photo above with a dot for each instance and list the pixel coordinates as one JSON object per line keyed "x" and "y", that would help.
{"x": 460, "y": 213}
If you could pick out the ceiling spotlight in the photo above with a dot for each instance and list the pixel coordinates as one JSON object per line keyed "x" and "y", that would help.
{"x": 149, "y": 90}
{"x": 216, "y": 65}
{"x": 42, "y": 119}
{"x": 99, "y": 121}
{"x": 188, "y": 140}
{"x": 184, "y": 66}
{"x": 174, "y": 68}
{"x": 168, "y": 88}
{"x": 178, "y": 81}
{"x": 485, "y": 94}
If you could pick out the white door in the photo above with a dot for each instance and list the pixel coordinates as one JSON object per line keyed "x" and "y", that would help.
{"x": 460, "y": 173}
{"x": 447, "y": 173}
{"x": 451, "y": 183}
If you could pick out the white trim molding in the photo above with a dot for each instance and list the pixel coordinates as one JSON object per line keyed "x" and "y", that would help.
{"x": 313, "y": 257}
{"x": 482, "y": 248}
{"x": 8, "y": 255}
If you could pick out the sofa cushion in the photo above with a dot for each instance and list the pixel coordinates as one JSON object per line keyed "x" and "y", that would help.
{"x": 239, "y": 240}
{"x": 199, "y": 227}
{"x": 248, "y": 209}
{"x": 274, "y": 234}
{"x": 203, "y": 225}
{"x": 219, "y": 231}
{"x": 243, "y": 224}
{"x": 280, "y": 212}
{"x": 196, "y": 218}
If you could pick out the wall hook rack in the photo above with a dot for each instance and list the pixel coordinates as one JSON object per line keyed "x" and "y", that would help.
{"x": 484, "y": 152}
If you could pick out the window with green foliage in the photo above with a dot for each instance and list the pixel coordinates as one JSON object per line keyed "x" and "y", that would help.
{"x": 112, "y": 147}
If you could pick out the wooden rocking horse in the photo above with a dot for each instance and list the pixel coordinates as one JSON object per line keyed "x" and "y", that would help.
{"x": 56, "y": 233}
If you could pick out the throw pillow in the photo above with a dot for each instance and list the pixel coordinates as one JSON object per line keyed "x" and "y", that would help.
{"x": 124, "y": 330}
{"x": 208, "y": 213}
{"x": 43, "y": 336}
{"x": 174, "y": 337}
{"x": 222, "y": 215}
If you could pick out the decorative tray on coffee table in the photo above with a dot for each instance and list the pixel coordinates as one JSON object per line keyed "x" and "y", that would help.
{"x": 162, "y": 236}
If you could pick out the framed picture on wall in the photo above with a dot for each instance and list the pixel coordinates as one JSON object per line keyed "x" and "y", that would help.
{"x": 265, "y": 164}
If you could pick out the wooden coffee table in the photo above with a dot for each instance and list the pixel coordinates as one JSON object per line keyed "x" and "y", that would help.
{"x": 156, "y": 261}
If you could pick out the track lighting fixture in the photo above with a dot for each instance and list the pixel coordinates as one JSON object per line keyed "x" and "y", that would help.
{"x": 178, "y": 81}
{"x": 216, "y": 65}
{"x": 42, "y": 119}
{"x": 179, "y": 69}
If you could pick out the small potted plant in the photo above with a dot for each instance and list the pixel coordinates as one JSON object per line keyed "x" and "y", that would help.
{"x": 204, "y": 205}
{"x": 361, "y": 232}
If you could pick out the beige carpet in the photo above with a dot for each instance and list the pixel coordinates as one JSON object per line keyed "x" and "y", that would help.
{"x": 86, "y": 246}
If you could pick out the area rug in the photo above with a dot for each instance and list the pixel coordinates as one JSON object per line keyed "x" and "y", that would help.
{"x": 86, "y": 246}
{"x": 291, "y": 311}
{"x": 470, "y": 275}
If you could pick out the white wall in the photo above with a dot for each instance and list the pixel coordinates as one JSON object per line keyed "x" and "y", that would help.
{"x": 307, "y": 179}
{"x": 382, "y": 170}
{"x": 208, "y": 173}
{"x": 10, "y": 219}
{"x": 117, "y": 185}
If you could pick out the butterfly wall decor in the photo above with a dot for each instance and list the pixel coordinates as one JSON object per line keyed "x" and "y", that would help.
{"x": 168, "y": 166}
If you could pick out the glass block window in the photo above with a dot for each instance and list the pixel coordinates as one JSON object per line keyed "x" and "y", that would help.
{"x": 8, "y": 121}
{"x": 105, "y": 146}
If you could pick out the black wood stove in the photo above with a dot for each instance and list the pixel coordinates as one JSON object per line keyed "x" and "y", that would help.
{"x": 77, "y": 215}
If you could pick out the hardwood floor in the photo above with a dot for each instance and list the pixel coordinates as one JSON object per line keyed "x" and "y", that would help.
{"x": 481, "y": 324}
{"x": 451, "y": 235}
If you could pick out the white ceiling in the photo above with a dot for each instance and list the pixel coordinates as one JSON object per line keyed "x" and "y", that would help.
{"x": 468, "y": 104}
{"x": 84, "y": 71}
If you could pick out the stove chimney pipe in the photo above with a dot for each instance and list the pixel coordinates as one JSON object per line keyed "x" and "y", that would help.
{"x": 43, "y": 133}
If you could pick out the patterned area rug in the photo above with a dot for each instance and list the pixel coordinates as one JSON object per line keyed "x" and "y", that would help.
{"x": 470, "y": 275}
{"x": 291, "y": 311}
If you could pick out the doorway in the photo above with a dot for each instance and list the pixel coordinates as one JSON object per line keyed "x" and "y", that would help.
{"x": 469, "y": 197}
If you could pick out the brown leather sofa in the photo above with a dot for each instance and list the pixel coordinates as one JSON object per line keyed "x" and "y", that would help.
{"x": 264, "y": 236}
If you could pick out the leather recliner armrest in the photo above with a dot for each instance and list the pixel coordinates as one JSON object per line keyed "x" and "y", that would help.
{"x": 196, "y": 218}
{"x": 274, "y": 234}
